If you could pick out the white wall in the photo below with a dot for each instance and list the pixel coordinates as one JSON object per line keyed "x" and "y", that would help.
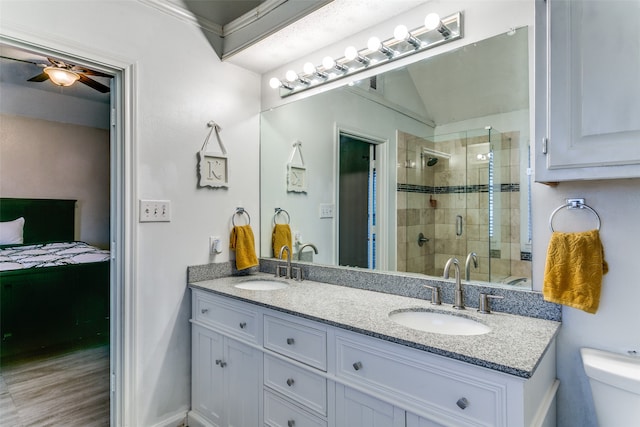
{"x": 170, "y": 126}
{"x": 45, "y": 159}
{"x": 615, "y": 325}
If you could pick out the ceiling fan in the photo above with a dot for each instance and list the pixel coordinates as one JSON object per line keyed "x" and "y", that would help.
{"x": 64, "y": 74}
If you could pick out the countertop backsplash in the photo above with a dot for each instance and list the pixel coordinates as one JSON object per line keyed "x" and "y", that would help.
{"x": 516, "y": 301}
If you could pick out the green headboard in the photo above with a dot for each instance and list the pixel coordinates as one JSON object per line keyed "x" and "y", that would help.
{"x": 46, "y": 220}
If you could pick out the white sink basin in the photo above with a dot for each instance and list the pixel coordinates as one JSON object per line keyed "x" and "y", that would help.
{"x": 437, "y": 322}
{"x": 261, "y": 285}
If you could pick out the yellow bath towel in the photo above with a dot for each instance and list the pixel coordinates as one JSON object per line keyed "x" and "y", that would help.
{"x": 243, "y": 242}
{"x": 281, "y": 236}
{"x": 573, "y": 270}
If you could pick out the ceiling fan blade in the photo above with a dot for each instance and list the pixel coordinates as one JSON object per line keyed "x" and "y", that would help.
{"x": 89, "y": 72}
{"x": 93, "y": 84}
{"x": 20, "y": 60}
{"x": 39, "y": 78}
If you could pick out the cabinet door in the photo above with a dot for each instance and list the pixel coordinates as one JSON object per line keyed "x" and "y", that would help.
{"x": 593, "y": 106}
{"x": 416, "y": 421}
{"x": 355, "y": 409}
{"x": 207, "y": 377}
{"x": 243, "y": 382}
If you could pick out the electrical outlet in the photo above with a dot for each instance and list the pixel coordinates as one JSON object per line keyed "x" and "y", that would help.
{"x": 155, "y": 210}
{"x": 215, "y": 245}
{"x": 326, "y": 210}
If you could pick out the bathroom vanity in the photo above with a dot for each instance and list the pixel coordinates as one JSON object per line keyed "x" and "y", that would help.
{"x": 316, "y": 354}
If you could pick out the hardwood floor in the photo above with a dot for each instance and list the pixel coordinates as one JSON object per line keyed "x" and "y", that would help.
{"x": 65, "y": 389}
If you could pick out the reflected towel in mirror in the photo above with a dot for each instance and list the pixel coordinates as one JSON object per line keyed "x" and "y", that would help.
{"x": 281, "y": 236}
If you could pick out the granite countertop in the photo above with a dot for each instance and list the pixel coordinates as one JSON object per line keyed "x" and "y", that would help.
{"x": 515, "y": 344}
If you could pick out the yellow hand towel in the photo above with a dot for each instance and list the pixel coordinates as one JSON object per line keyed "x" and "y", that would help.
{"x": 281, "y": 236}
{"x": 573, "y": 270}
{"x": 243, "y": 242}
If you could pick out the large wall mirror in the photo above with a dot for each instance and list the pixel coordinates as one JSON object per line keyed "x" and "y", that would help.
{"x": 403, "y": 170}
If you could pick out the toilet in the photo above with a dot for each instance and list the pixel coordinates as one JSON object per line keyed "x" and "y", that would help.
{"x": 615, "y": 386}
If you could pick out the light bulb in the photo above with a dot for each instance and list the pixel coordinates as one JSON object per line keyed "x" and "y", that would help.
{"x": 400, "y": 33}
{"x": 351, "y": 53}
{"x": 309, "y": 68}
{"x": 432, "y": 21}
{"x": 374, "y": 43}
{"x": 291, "y": 76}
{"x": 328, "y": 63}
{"x": 275, "y": 83}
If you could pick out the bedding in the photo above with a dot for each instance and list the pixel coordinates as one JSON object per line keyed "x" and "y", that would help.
{"x": 50, "y": 254}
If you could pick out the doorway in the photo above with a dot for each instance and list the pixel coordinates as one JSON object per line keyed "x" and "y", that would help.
{"x": 357, "y": 201}
{"x": 110, "y": 357}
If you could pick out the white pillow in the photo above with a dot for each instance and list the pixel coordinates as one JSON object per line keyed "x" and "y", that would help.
{"x": 11, "y": 232}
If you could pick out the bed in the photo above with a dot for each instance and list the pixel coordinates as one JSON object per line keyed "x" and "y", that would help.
{"x": 53, "y": 291}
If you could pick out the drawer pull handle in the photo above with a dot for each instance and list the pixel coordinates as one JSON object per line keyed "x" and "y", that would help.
{"x": 357, "y": 366}
{"x": 290, "y": 341}
{"x": 243, "y": 325}
{"x": 204, "y": 311}
{"x": 290, "y": 382}
{"x": 221, "y": 363}
{"x": 462, "y": 403}
{"x": 291, "y": 423}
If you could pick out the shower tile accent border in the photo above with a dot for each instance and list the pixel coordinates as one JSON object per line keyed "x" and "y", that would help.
{"x": 516, "y": 301}
{"x": 457, "y": 189}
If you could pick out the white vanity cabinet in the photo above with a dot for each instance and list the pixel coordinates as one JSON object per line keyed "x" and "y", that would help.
{"x": 587, "y": 90}
{"x": 226, "y": 373}
{"x": 281, "y": 370}
{"x": 357, "y": 409}
{"x": 295, "y": 381}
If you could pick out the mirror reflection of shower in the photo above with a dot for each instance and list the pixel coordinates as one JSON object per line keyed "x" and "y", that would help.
{"x": 458, "y": 190}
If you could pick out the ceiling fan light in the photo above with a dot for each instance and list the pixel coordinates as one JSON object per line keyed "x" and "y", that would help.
{"x": 61, "y": 76}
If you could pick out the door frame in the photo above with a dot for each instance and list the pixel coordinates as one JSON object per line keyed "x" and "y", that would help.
{"x": 122, "y": 206}
{"x": 382, "y": 194}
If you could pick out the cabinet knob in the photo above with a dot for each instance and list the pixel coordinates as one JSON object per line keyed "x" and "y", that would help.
{"x": 243, "y": 325}
{"x": 462, "y": 403}
{"x": 204, "y": 310}
{"x": 290, "y": 382}
{"x": 290, "y": 341}
{"x": 357, "y": 366}
{"x": 291, "y": 423}
{"x": 220, "y": 363}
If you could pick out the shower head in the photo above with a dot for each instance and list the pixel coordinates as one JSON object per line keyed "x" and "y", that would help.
{"x": 431, "y": 161}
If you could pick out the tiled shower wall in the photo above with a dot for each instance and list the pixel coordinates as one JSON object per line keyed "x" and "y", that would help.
{"x": 430, "y": 198}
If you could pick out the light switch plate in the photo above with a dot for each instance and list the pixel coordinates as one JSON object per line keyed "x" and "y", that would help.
{"x": 155, "y": 210}
{"x": 326, "y": 210}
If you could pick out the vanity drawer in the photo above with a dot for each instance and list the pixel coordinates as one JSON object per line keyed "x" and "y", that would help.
{"x": 238, "y": 320}
{"x": 280, "y": 413}
{"x": 407, "y": 375}
{"x": 298, "y": 384}
{"x": 300, "y": 342}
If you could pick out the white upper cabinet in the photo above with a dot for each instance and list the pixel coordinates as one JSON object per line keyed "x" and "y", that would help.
{"x": 587, "y": 89}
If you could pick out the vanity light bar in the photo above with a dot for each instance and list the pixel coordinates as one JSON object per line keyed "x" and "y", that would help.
{"x": 382, "y": 52}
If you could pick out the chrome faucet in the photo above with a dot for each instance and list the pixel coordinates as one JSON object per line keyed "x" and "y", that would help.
{"x": 467, "y": 265}
{"x": 288, "y": 267}
{"x": 311, "y": 245}
{"x": 458, "y": 295}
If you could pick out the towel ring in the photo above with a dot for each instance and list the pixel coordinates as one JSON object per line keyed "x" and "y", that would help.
{"x": 240, "y": 211}
{"x": 574, "y": 204}
{"x": 281, "y": 211}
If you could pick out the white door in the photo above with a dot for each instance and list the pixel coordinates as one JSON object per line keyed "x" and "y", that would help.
{"x": 355, "y": 409}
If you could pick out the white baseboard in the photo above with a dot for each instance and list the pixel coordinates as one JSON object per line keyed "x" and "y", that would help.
{"x": 195, "y": 420}
{"x": 176, "y": 420}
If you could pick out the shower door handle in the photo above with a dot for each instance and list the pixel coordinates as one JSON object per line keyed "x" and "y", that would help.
{"x": 458, "y": 225}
